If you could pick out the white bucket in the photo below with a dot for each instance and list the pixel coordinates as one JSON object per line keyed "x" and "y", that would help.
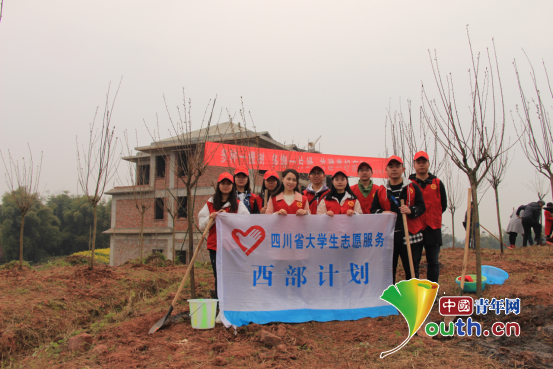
{"x": 203, "y": 312}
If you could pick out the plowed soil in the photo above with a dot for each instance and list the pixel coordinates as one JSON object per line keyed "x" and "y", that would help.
{"x": 48, "y": 307}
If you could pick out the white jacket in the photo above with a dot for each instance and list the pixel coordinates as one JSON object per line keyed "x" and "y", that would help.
{"x": 321, "y": 209}
{"x": 203, "y": 215}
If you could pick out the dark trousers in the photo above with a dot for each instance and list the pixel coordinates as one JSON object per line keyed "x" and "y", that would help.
{"x": 432, "y": 259}
{"x": 512, "y": 238}
{"x": 213, "y": 259}
{"x": 529, "y": 224}
{"x": 400, "y": 251}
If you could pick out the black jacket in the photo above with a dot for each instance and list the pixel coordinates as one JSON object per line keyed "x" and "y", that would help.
{"x": 416, "y": 210}
{"x": 531, "y": 211}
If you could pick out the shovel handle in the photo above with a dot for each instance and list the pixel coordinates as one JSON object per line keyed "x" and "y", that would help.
{"x": 266, "y": 198}
{"x": 191, "y": 264}
{"x": 408, "y": 241}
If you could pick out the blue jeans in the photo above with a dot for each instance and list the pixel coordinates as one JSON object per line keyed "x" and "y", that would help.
{"x": 432, "y": 258}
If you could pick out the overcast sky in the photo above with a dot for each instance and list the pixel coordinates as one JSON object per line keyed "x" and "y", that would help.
{"x": 303, "y": 68}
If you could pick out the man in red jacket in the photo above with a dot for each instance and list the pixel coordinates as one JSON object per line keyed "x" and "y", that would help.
{"x": 435, "y": 200}
{"x": 365, "y": 189}
{"x": 316, "y": 189}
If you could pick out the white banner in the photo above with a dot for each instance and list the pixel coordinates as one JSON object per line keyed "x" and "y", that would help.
{"x": 274, "y": 268}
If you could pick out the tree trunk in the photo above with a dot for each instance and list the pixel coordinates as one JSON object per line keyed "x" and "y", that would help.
{"x": 93, "y": 235}
{"x": 21, "y": 241}
{"x": 190, "y": 210}
{"x": 476, "y": 230}
{"x": 498, "y": 219}
{"x": 453, "y": 229}
{"x": 141, "y": 237}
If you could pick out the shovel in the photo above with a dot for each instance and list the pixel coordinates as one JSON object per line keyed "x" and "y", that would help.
{"x": 408, "y": 242}
{"x": 164, "y": 320}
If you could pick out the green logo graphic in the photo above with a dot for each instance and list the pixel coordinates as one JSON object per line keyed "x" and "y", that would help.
{"x": 414, "y": 299}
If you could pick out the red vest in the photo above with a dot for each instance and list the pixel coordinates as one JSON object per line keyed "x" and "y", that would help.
{"x": 548, "y": 222}
{"x": 365, "y": 202}
{"x": 414, "y": 225}
{"x": 336, "y": 208}
{"x": 314, "y": 204}
{"x": 432, "y": 217}
{"x": 292, "y": 209}
{"x": 212, "y": 237}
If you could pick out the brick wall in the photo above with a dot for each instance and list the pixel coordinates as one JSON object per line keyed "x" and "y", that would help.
{"x": 127, "y": 249}
{"x": 128, "y": 216}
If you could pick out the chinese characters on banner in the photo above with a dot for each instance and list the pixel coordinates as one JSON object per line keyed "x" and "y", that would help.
{"x": 305, "y": 268}
{"x": 218, "y": 154}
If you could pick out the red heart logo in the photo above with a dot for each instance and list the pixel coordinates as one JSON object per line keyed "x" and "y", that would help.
{"x": 253, "y": 237}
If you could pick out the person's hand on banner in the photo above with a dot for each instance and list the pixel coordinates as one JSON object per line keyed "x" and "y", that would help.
{"x": 387, "y": 212}
{"x": 330, "y": 213}
{"x": 301, "y": 212}
{"x": 282, "y": 212}
{"x": 350, "y": 212}
{"x": 214, "y": 214}
{"x": 263, "y": 210}
{"x": 405, "y": 209}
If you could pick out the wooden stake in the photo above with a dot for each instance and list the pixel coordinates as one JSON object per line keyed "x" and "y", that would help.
{"x": 467, "y": 240}
{"x": 408, "y": 241}
{"x": 491, "y": 234}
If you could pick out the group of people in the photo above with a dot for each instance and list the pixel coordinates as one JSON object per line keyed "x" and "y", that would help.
{"x": 423, "y": 193}
{"x": 527, "y": 218}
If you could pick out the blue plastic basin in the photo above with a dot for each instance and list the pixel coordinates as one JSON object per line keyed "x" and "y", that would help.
{"x": 494, "y": 275}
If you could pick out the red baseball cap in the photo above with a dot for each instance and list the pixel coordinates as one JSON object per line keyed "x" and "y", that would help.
{"x": 340, "y": 170}
{"x": 421, "y": 154}
{"x": 316, "y": 167}
{"x": 270, "y": 173}
{"x": 225, "y": 175}
{"x": 242, "y": 170}
{"x": 364, "y": 162}
{"x": 392, "y": 158}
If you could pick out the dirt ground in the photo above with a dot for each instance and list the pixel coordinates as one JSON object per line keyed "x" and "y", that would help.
{"x": 41, "y": 309}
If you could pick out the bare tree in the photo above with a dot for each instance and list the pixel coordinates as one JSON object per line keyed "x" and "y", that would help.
{"x": 455, "y": 194}
{"x": 496, "y": 174}
{"x": 23, "y": 181}
{"x": 536, "y": 138}
{"x": 405, "y": 143}
{"x": 538, "y": 186}
{"x": 469, "y": 141}
{"x": 1, "y": 8}
{"x": 192, "y": 159}
{"x": 139, "y": 187}
{"x": 97, "y": 163}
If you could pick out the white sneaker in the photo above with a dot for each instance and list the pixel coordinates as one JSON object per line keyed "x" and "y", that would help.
{"x": 218, "y": 319}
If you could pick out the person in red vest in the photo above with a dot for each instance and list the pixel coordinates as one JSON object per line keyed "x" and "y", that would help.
{"x": 270, "y": 183}
{"x": 388, "y": 200}
{"x": 243, "y": 188}
{"x": 288, "y": 198}
{"x": 316, "y": 189}
{"x": 365, "y": 189}
{"x": 548, "y": 220}
{"x": 435, "y": 200}
{"x": 340, "y": 199}
{"x": 224, "y": 200}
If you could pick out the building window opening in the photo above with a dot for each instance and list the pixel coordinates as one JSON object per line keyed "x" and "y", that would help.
{"x": 160, "y": 166}
{"x": 160, "y": 208}
{"x": 143, "y": 175}
{"x": 183, "y": 207}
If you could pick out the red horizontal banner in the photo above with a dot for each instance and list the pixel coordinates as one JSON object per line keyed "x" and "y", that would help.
{"x": 253, "y": 158}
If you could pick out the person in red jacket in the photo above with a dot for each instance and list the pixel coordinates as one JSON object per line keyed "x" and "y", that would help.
{"x": 288, "y": 198}
{"x": 243, "y": 189}
{"x": 548, "y": 220}
{"x": 224, "y": 200}
{"x": 270, "y": 183}
{"x": 435, "y": 200}
{"x": 388, "y": 200}
{"x": 316, "y": 189}
{"x": 365, "y": 189}
{"x": 340, "y": 199}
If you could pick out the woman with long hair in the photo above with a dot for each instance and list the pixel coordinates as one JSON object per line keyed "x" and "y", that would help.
{"x": 270, "y": 183}
{"x": 288, "y": 199}
{"x": 224, "y": 200}
{"x": 244, "y": 190}
{"x": 340, "y": 199}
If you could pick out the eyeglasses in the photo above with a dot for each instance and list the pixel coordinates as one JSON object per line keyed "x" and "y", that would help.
{"x": 317, "y": 173}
